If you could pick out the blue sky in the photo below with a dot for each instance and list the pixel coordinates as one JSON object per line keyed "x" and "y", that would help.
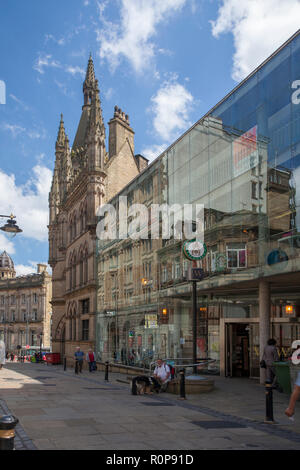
{"x": 164, "y": 62}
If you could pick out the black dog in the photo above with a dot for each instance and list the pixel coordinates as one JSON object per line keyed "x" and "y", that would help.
{"x": 143, "y": 384}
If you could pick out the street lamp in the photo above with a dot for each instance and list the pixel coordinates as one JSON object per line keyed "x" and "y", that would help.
{"x": 10, "y": 228}
{"x": 147, "y": 283}
{"x": 41, "y": 339}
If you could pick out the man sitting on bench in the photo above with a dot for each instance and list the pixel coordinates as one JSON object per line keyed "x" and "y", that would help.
{"x": 162, "y": 374}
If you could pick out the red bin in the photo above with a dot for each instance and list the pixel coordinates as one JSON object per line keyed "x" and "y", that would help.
{"x": 53, "y": 358}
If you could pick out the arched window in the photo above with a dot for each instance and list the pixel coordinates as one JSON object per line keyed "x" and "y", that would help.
{"x": 85, "y": 267}
{"x": 70, "y": 272}
{"x": 74, "y": 326}
{"x": 74, "y": 227}
{"x": 81, "y": 269}
{"x": 74, "y": 271}
{"x": 70, "y": 229}
{"x": 84, "y": 217}
{"x": 70, "y": 329}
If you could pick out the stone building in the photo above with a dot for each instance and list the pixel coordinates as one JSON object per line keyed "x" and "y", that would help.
{"x": 25, "y": 308}
{"x": 85, "y": 176}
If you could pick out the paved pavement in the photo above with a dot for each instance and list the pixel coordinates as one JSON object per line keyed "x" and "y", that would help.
{"x": 58, "y": 410}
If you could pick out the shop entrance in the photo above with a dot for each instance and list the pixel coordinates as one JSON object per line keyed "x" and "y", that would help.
{"x": 237, "y": 350}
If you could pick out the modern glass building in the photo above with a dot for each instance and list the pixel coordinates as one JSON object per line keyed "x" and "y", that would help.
{"x": 242, "y": 162}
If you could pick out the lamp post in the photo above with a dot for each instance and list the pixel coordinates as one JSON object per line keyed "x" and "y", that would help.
{"x": 10, "y": 228}
{"x": 114, "y": 275}
{"x": 41, "y": 339}
{"x": 147, "y": 283}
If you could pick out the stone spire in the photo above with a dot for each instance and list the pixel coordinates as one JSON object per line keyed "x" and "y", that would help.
{"x": 61, "y": 136}
{"x": 89, "y": 82}
{"x": 96, "y": 118}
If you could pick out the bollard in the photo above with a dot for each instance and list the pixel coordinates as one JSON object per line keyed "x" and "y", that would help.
{"x": 182, "y": 384}
{"x": 7, "y": 432}
{"x": 65, "y": 363}
{"x": 76, "y": 367}
{"x": 106, "y": 371}
{"x": 269, "y": 402}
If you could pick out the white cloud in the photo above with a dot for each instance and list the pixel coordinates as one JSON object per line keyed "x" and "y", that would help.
{"x": 20, "y": 102}
{"x": 31, "y": 268}
{"x": 154, "y": 151}
{"x": 258, "y": 28}
{"x": 13, "y": 128}
{"x": 132, "y": 37}
{"x": 171, "y": 107}
{"x": 108, "y": 93}
{"x": 60, "y": 42}
{"x": 37, "y": 134}
{"x": 5, "y": 243}
{"x": 74, "y": 70}
{"x": 45, "y": 61}
{"x": 29, "y": 202}
{"x": 16, "y": 130}
{"x": 23, "y": 270}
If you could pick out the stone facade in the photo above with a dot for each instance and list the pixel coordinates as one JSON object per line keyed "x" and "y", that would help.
{"x": 85, "y": 177}
{"x": 25, "y": 308}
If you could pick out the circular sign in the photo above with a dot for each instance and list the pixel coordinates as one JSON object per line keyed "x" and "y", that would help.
{"x": 194, "y": 250}
{"x": 277, "y": 256}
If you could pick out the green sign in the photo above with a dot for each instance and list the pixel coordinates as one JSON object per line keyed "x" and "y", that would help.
{"x": 194, "y": 250}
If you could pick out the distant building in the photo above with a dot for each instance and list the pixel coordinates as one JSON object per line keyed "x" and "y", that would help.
{"x": 25, "y": 308}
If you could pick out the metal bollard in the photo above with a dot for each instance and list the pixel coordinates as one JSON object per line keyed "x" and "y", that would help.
{"x": 65, "y": 363}
{"x": 182, "y": 384}
{"x": 106, "y": 371}
{"x": 76, "y": 367}
{"x": 269, "y": 403}
{"x": 7, "y": 432}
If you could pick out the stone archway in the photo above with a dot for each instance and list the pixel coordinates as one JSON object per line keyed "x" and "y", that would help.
{"x": 60, "y": 335}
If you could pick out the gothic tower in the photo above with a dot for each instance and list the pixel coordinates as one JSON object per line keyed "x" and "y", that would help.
{"x": 84, "y": 177}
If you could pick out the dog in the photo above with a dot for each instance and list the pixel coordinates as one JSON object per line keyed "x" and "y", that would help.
{"x": 144, "y": 385}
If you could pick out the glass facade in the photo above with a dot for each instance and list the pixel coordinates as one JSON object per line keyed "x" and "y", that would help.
{"x": 242, "y": 163}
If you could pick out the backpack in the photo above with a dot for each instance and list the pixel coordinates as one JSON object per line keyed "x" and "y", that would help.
{"x": 172, "y": 370}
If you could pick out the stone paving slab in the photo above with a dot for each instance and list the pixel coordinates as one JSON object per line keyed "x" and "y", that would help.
{"x": 74, "y": 415}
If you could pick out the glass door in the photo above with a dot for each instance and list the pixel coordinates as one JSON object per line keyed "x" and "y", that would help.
{"x": 254, "y": 350}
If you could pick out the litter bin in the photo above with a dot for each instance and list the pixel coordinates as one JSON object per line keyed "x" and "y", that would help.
{"x": 53, "y": 358}
{"x": 282, "y": 371}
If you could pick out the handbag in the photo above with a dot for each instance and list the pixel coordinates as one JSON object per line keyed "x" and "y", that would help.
{"x": 263, "y": 364}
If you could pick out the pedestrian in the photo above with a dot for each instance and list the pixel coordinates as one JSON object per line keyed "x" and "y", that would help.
{"x": 78, "y": 356}
{"x": 294, "y": 397}
{"x": 270, "y": 356}
{"x": 162, "y": 374}
{"x": 90, "y": 357}
{"x": 12, "y": 357}
{"x": 2, "y": 354}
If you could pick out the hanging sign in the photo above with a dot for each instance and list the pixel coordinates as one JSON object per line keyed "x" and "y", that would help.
{"x": 194, "y": 250}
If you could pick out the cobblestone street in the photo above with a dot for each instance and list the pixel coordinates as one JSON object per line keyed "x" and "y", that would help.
{"x": 58, "y": 410}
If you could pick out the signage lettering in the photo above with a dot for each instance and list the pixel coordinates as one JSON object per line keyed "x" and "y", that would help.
{"x": 296, "y": 94}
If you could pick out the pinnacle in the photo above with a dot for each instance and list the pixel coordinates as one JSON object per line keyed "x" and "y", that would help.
{"x": 90, "y": 73}
{"x": 61, "y": 132}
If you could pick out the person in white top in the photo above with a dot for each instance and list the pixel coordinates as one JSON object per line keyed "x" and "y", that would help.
{"x": 162, "y": 374}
